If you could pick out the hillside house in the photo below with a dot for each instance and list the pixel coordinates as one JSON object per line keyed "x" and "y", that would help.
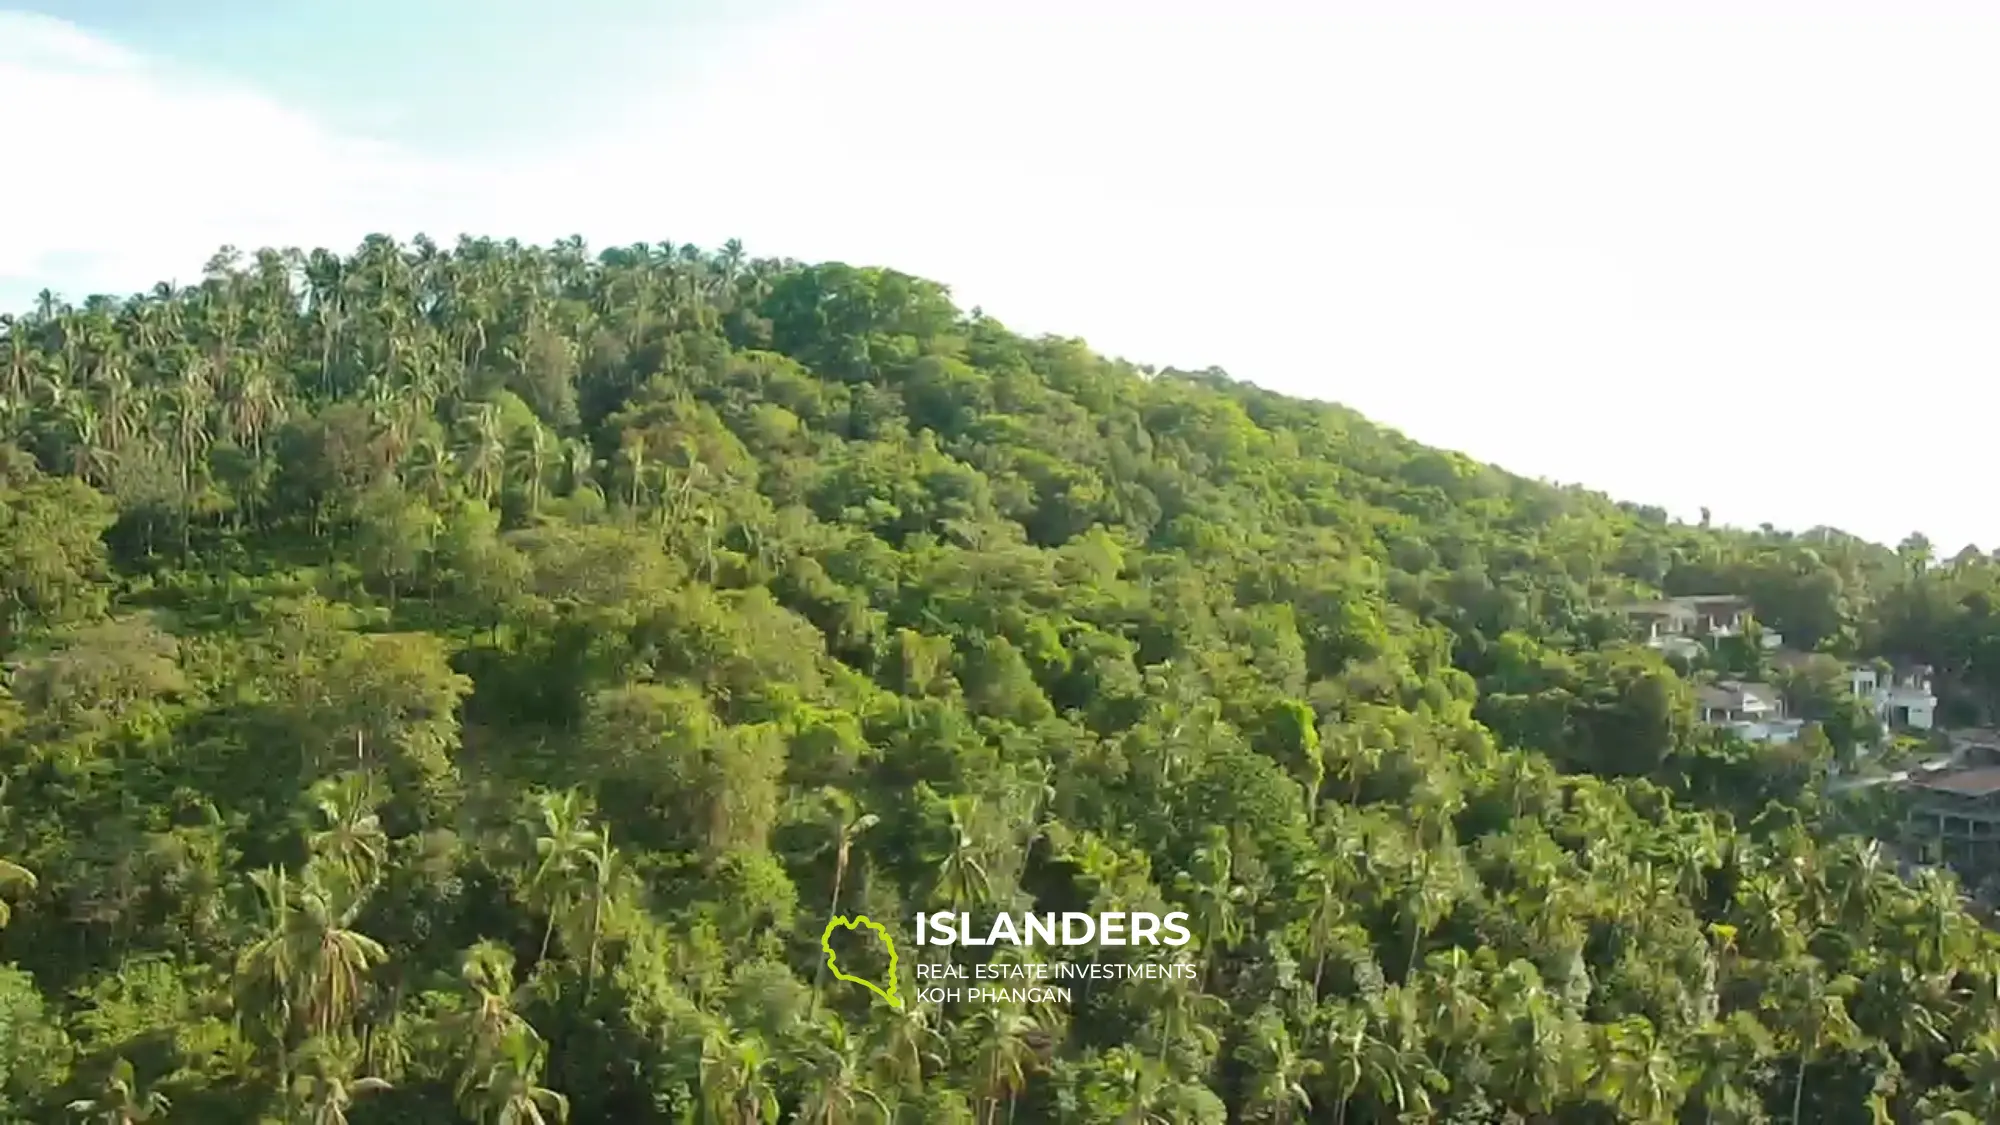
{"x": 1680, "y": 626}
{"x": 1954, "y": 819}
{"x": 1755, "y": 712}
{"x": 1902, "y": 698}
{"x": 1906, "y": 700}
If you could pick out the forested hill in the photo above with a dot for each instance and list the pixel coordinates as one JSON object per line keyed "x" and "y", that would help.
{"x": 460, "y": 685}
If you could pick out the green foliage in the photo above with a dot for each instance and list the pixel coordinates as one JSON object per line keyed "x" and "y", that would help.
{"x": 459, "y": 684}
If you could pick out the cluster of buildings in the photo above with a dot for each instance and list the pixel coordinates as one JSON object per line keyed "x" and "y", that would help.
{"x": 1952, "y": 815}
{"x": 1690, "y": 627}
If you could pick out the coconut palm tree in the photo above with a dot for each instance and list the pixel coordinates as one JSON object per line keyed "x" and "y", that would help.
{"x": 348, "y": 836}
{"x": 845, "y": 821}
{"x": 1279, "y": 1072}
{"x": 904, "y": 1044}
{"x": 564, "y": 843}
{"x": 1002, "y": 1058}
{"x": 508, "y": 1091}
{"x": 735, "y": 1077}
{"x": 305, "y": 970}
{"x": 334, "y": 958}
{"x": 482, "y": 450}
{"x": 600, "y": 866}
{"x": 1638, "y": 1074}
{"x": 1724, "y": 1057}
{"x": 528, "y": 465}
{"x": 834, "y": 1081}
{"x": 325, "y": 1091}
{"x": 489, "y": 1021}
{"x": 121, "y": 1101}
{"x": 962, "y": 876}
{"x": 268, "y": 967}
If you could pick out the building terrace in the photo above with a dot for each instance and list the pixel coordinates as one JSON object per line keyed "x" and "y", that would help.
{"x": 1954, "y": 819}
{"x": 1679, "y": 625}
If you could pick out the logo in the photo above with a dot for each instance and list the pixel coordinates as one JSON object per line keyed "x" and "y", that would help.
{"x": 1116, "y": 928}
{"x": 826, "y": 946}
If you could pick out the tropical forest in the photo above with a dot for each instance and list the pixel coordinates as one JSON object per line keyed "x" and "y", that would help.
{"x": 459, "y": 684}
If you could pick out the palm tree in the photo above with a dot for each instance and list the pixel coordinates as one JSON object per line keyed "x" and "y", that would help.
{"x": 1724, "y": 1058}
{"x": 1449, "y": 993}
{"x": 835, "y": 1084}
{"x": 120, "y": 1101}
{"x": 1001, "y": 1055}
{"x": 482, "y": 450}
{"x": 490, "y": 1021}
{"x": 1537, "y": 1056}
{"x": 1811, "y": 1014}
{"x": 600, "y": 868}
{"x": 1135, "y": 1087}
{"x": 1980, "y": 1064}
{"x": 563, "y": 847}
{"x": 1637, "y": 1074}
{"x": 846, "y": 821}
{"x": 1869, "y": 875}
{"x": 1916, "y": 552}
{"x": 529, "y": 463}
{"x": 1188, "y": 1016}
{"x": 1279, "y": 1072}
{"x": 268, "y": 968}
{"x": 579, "y": 461}
{"x": 1355, "y": 1059}
{"x": 90, "y": 456}
{"x": 1430, "y": 891}
{"x": 1215, "y": 899}
{"x": 903, "y": 1044}
{"x": 349, "y": 836}
{"x": 334, "y": 958}
{"x": 1939, "y": 922}
{"x": 507, "y": 1091}
{"x": 324, "y": 1093}
{"x": 1327, "y": 923}
{"x": 306, "y": 968}
{"x": 186, "y": 424}
{"x": 632, "y": 466}
{"x": 962, "y": 878}
{"x": 430, "y": 470}
{"x": 736, "y": 1087}
{"x": 17, "y": 371}
{"x": 255, "y": 405}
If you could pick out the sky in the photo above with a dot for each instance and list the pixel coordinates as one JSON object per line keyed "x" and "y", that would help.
{"x": 1742, "y": 255}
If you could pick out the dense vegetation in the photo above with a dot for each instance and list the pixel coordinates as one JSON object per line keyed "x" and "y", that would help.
{"x": 458, "y": 685}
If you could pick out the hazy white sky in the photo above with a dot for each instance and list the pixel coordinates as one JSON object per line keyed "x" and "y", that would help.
{"x": 1741, "y": 256}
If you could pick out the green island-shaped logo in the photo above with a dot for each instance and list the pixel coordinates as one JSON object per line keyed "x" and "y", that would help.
{"x": 826, "y": 944}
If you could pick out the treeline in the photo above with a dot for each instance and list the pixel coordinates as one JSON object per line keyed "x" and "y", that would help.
{"x": 459, "y": 685}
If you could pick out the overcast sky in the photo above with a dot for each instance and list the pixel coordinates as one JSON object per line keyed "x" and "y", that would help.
{"x": 1741, "y": 255}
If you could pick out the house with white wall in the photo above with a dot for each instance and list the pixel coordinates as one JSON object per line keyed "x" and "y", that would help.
{"x": 1754, "y": 712}
{"x": 1907, "y": 701}
{"x": 1684, "y": 626}
{"x": 1902, "y": 699}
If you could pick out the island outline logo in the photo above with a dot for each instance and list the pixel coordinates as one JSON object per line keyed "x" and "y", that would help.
{"x": 842, "y": 921}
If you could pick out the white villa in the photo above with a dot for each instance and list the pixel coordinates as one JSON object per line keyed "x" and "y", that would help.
{"x": 1755, "y": 712}
{"x": 1902, "y": 700}
{"x": 1680, "y": 626}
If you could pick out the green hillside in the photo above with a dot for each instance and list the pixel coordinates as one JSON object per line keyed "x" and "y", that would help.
{"x": 461, "y": 685}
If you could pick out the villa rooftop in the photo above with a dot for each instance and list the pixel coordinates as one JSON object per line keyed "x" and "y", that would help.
{"x": 1979, "y": 782}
